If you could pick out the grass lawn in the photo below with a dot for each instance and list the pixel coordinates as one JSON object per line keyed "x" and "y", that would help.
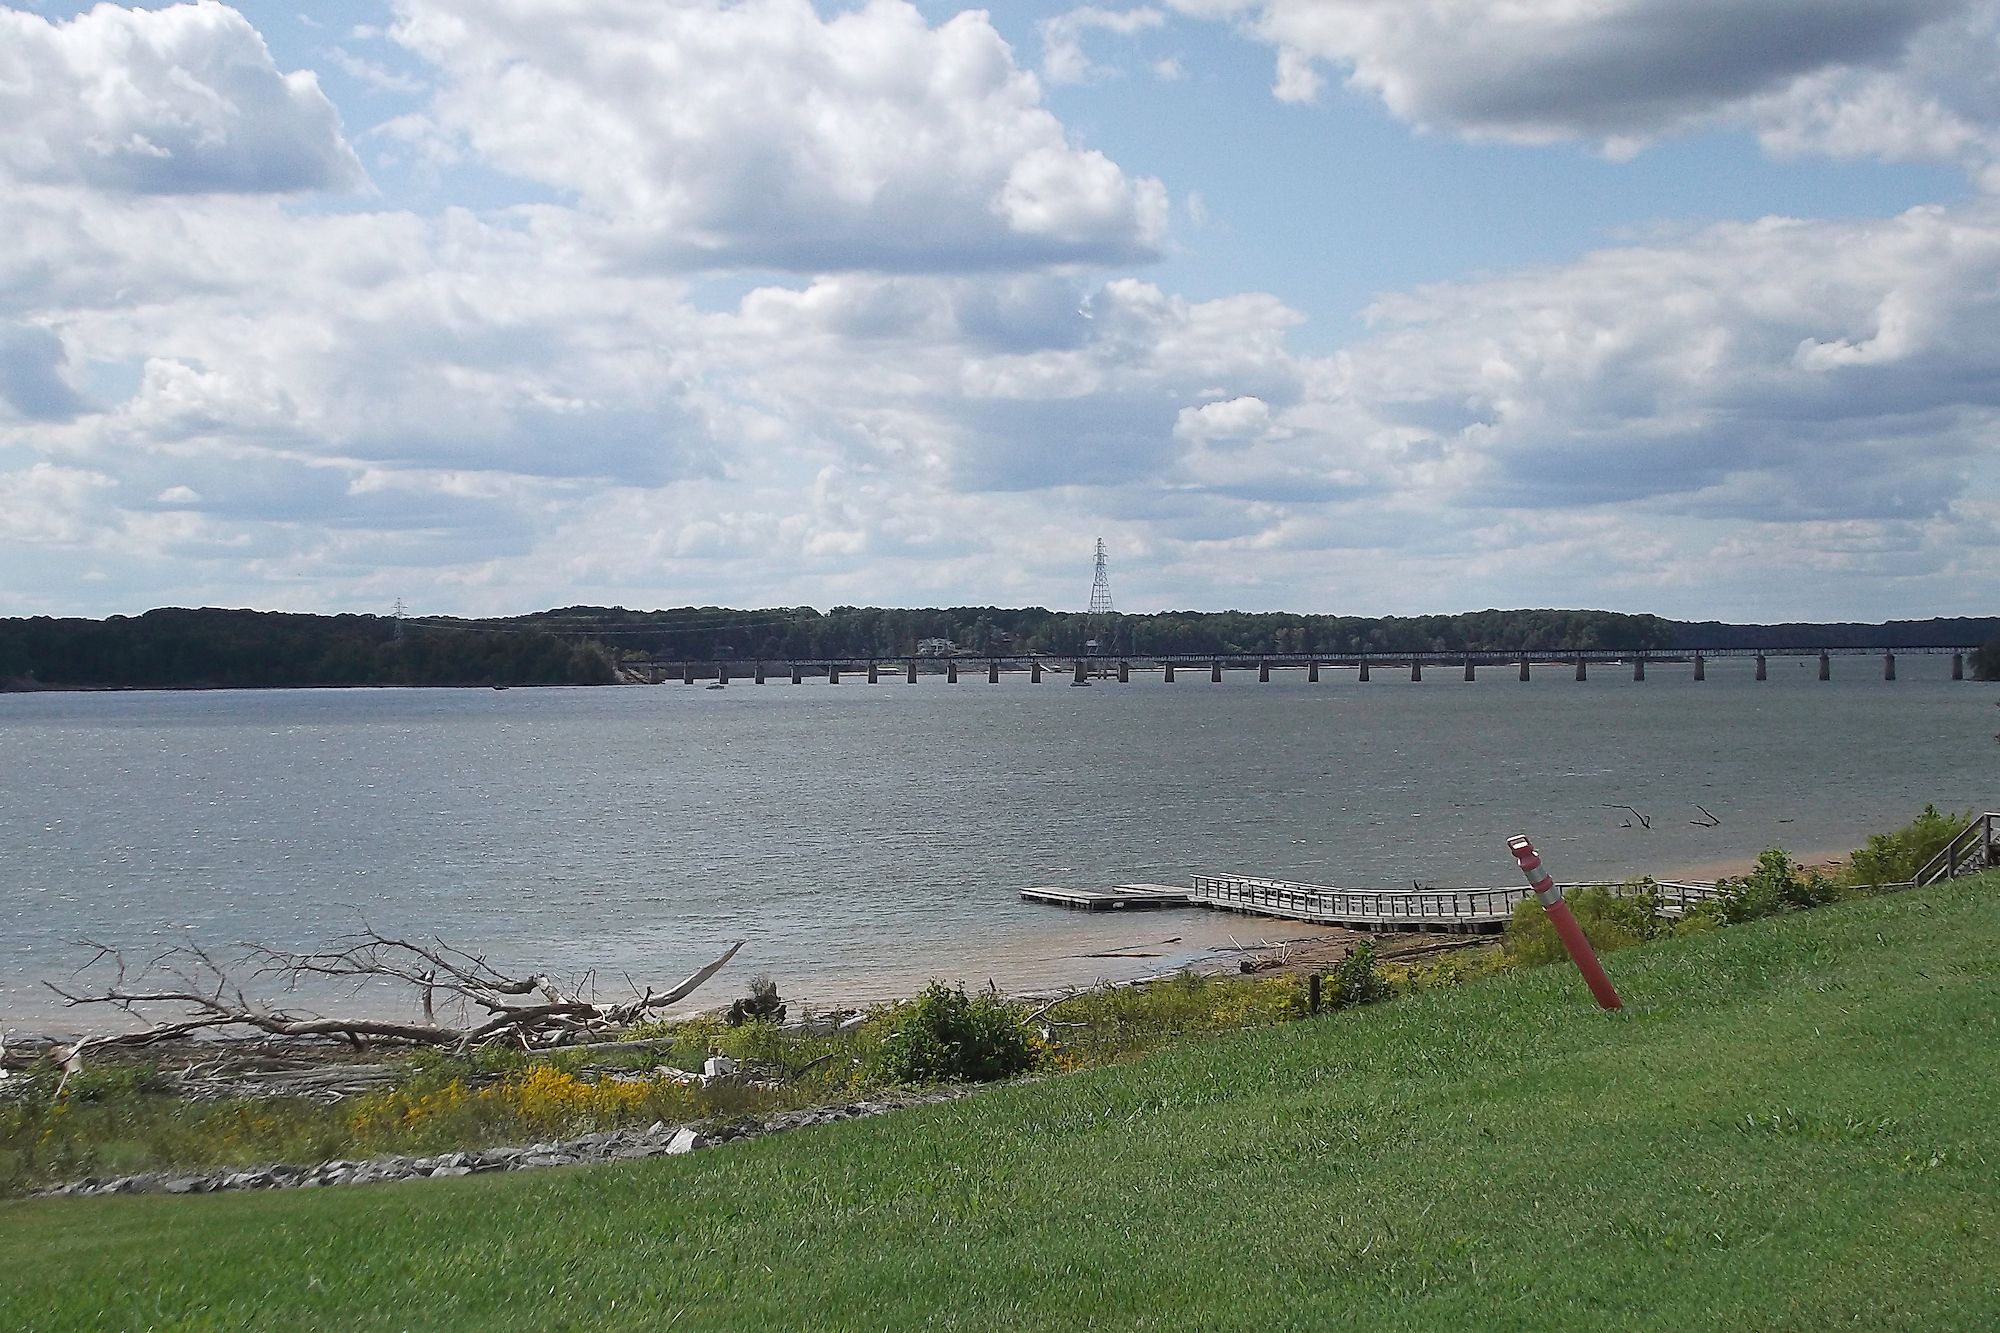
{"x": 1792, "y": 1125}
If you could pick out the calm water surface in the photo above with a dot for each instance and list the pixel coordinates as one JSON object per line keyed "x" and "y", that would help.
{"x": 866, "y": 838}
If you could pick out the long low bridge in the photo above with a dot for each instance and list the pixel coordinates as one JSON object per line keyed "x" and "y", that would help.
{"x": 1084, "y": 668}
{"x": 1974, "y": 850}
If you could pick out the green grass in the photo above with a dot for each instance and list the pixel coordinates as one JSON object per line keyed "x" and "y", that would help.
{"x": 1790, "y": 1126}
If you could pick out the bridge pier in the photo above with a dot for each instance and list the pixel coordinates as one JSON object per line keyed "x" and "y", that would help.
{"x": 1364, "y": 671}
{"x": 760, "y": 673}
{"x": 912, "y": 677}
{"x": 1958, "y": 666}
{"x": 1170, "y": 673}
{"x": 874, "y": 674}
{"x": 1524, "y": 666}
{"x": 687, "y": 673}
{"x": 1638, "y": 668}
{"x": 993, "y": 672}
{"x": 1215, "y": 673}
{"x": 1825, "y": 666}
{"x": 1582, "y": 671}
{"x": 951, "y": 673}
{"x": 1763, "y": 667}
{"x": 1468, "y": 667}
{"x": 1888, "y": 666}
{"x": 1082, "y": 672}
{"x": 797, "y": 675}
{"x": 1263, "y": 673}
{"x": 722, "y": 673}
{"x": 1700, "y": 668}
{"x": 1312, "y": 673}
{"x": 1035, "y": 672}
{"x": 832, "y": 674}
{"x": 1124, "y": 673}
{"x": 1416, "y": 669}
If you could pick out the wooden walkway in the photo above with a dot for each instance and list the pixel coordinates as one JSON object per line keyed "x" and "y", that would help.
{"x": 1398, "y": 909}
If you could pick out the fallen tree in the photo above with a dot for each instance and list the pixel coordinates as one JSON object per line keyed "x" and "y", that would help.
{"x": 188, "y": 990}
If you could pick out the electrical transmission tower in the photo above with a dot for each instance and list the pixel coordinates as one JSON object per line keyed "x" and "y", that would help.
{"x": 400, "y": 611}
{"x": 1100, "y": 584}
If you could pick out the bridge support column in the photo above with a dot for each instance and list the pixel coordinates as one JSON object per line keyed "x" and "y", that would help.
{"x": 1958, "y": 666}
{"x": 1825, "y": 666}
{"x": 1170, "y": 673}
{"x": 687, "y": 674}
{"x": 951, "y": 673}
{"x": 1263, "y": 673}
{"x": 1124, "y": 673}
{"x": 1638, "y": 668}
{"x": 760, "y": 673}
{"x": 1416, "y": 669}
{"x": 1082, "y": 672}
{"x": 1035, "y": 672}
{"x": 993, "y": 672}
{"x": 1215, "y": 673}
{"x": 1524, "y": 666}
{"x": 912, "y": 676}
{"x": 1582, "y": 669}
{"x": 1364, "y": 671}
{"x": 1468, "y": 668}
{"x": 1888, "y": 666}
{"x": 1700, "y": 668}
{"x": 797, "y": 675}
{"x": 874, "y": 674}
{"x": 1763, "y": 668}
{"x": 1312, "y": 672}
{"x": 832, "y": 674}
{"x": 722, "y": 673}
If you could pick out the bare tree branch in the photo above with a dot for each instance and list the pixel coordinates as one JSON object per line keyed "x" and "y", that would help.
{"x": 200, "y": 993}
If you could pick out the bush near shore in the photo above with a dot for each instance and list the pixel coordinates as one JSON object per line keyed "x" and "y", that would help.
{"x": 117, "y": 1118}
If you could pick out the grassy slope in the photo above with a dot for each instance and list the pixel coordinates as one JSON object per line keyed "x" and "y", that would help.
{"x": 1496, "y": 1156}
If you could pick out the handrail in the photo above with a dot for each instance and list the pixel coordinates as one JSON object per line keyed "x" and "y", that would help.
{"x": 1954, "y": 859}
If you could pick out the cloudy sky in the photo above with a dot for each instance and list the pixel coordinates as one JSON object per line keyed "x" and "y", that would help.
{"x": 1365, "y": 306}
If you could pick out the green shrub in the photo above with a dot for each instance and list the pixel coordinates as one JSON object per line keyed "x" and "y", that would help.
{"x": 1610, "y": 920}
{"x": 1777, "y": 884}
{"x": 944, "y": 1036}
{"x": 1895, "y": 858}
{"x": 1357, "y": 980}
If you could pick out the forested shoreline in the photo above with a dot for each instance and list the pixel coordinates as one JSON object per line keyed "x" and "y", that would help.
{"x": 179, "y": 648}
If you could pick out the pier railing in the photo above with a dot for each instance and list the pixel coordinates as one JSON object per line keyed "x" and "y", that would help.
{"x": 1416, "y": 907}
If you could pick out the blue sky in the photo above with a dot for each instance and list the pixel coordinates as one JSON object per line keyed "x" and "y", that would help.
{"x": 1365, "y": 306}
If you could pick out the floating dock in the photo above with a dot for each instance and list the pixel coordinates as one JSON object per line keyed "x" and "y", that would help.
{"x": 1112, "y": 899}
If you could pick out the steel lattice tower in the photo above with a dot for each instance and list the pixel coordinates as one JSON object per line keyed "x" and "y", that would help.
{"x": 1100, "y": 584}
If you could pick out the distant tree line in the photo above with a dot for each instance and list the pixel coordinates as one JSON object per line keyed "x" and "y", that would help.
{"x": 707, "y": 634}
{"x": 582, "y": 645}
{"x": 1942, "y": 632}
{"x": 180, "y": 649}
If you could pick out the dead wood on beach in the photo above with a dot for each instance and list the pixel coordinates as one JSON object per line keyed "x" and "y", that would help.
{"x": 188, "y": 990}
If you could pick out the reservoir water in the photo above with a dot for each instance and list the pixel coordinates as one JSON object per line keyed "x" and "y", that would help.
{"x": 866, "y": 838}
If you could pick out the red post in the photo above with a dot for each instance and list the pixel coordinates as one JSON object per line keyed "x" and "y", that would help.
{"x": 1564, "y": 920}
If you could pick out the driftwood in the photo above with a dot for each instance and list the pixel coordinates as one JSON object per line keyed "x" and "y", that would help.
{"x": 187, "y": 990}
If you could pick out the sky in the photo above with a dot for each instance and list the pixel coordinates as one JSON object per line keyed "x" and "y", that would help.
{"x": 1354, "y": 306}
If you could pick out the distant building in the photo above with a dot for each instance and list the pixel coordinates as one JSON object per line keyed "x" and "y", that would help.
{"x": 934, "y": 648}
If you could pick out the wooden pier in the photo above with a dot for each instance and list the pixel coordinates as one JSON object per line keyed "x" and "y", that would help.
{"x": 1113, "y": 899}
{"x": 1414, "y": 909}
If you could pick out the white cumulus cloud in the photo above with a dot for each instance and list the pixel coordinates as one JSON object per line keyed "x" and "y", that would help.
{"x": 1900, "y": 79}
{"x": 761, "y": 134}
{"x": 181, "y": 100}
